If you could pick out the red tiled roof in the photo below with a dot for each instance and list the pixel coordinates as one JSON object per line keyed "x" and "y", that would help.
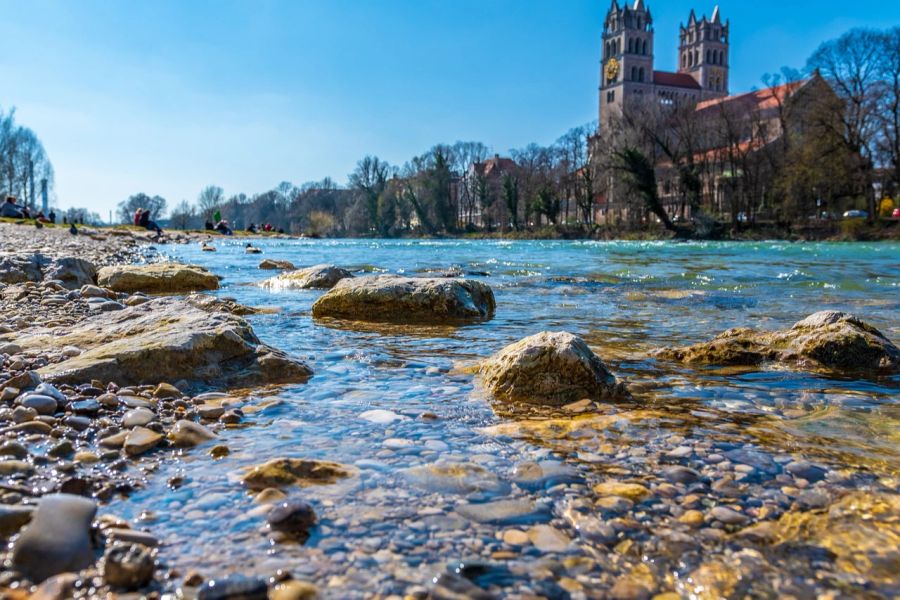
{"x": 682, "y": 80}
{"x": 758, "y": 100}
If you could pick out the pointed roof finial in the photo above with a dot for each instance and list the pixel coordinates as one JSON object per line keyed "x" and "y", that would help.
{"x": 693, "y": 18}
{"x": 715, "y": 15}
{"x": 638, "y": 4}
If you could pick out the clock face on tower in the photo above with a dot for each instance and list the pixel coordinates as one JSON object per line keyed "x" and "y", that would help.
{"x": 612, "y": 69}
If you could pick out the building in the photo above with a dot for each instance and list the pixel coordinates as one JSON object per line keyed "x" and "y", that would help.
{"x": 479, "y": 190}
{"x": 628, "y": 70}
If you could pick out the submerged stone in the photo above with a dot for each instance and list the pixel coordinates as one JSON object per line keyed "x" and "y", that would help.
{"x": 505, "y": 512}
{"x": 186, "y": 434}
{"x": 388, "y": 298}
{"x": 455, "y": 478}
{"x": 549, "y": 368}
{"x": 284, "y": 472}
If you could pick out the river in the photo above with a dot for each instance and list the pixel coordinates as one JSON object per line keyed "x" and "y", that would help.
{"x": 396, "y": 526}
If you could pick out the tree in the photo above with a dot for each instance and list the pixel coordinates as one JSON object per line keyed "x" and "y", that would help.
{"x": 368, "y": 180}
{"x": 209, "y": 200}
{"x": 23, "y": 161}
{"x": 155, "y": 204}
{"x": 852, "y": 64}
{"x": 511, "y": 198}
{"x": 182, "y": 215}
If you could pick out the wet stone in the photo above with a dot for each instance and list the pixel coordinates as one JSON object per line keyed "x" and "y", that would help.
{"x": 127, "y": 566}
{"x": 807, "y": 471}
{"x": 234, "y": 587}
{"x": 293, "y": 517}
{"x": 682, "y": 475}
{"x": 505, "y": 512}
{"x": 86, "y": 407}
{"x": 138, "y": 417}
{"x": 57, "y": 540}
{"x": 44, "y": 405}
{"x": 13, "y": 518}
{"x": 728, "y": 516}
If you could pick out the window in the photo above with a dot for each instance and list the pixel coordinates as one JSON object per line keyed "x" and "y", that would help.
{"x": 645, "y": 48}
{"x": 634, "y": 73}
{"x": 684, "y": 61}
{"x": 641, "y": 74}
{"x": 631, "y": 46}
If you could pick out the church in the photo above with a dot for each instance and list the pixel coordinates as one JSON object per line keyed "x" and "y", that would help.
{"x": 628, "y": 70}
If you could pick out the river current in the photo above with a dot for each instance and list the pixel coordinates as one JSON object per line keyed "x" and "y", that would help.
{"x": 400, "y": 524}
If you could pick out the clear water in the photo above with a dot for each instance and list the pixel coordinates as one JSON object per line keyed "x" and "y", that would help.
{"x": 381, "y": 532}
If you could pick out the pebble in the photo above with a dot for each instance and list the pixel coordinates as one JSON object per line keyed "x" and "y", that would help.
{"x": 679, "y": 474}
{"x": 505, "y": 512}
{"x": 127, "y": 566}
{"x": 234, "y": 587}
{"x": 140, "y": 440}
{"x": 138, "y": 417}
{"x": 13, "y": 518}
{"x": 43, "y": 405}
{"x": 58, "y": 539}
{"x": 547, "y": 538}
{"x": 728, "y": 516}
{"x": 293, "y": 516}
{"x": 381, "y": 417}
{"x": 294, "y": 590}
{"x": 187, "y": 434}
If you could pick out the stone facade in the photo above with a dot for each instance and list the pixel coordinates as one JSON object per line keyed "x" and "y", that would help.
{"x": 627, "y": 68}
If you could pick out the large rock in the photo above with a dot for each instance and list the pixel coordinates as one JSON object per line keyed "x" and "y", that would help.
{"x": 57, "y": 540}
{"x": 388, "y": 298}
{"x": 549, "y": 368}
{"x": 72, "y": 271}
{"x": 318, "y": 277}
{"x": 18, "y": 268}
{"x": 829, "y": 339}
{"x": 167, "y": 339}
{"x": 161, "y": 278}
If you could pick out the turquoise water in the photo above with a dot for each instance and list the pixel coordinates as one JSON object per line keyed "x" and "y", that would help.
{"x": 385, "y": 532}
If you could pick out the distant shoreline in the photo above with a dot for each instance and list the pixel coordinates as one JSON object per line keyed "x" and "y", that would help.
{"x": 836, "y": 231}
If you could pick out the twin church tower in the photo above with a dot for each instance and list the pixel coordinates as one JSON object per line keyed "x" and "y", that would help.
{"x": 627, "y": 67}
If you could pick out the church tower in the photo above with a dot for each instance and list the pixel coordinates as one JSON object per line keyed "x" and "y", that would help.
{"x": 703, "y": 53}
{"x": 627, "y": 65}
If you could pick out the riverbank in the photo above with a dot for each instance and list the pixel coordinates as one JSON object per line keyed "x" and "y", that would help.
{"x": 394, "y": 473}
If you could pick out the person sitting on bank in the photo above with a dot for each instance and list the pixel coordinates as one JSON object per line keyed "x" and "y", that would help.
{"x": 137, "y": 217}
{"x": 208, "y": 226}
{"x": 251, "y": 228}
{"x": 11, "y": 210}
{"x": 52, "y": 216}
{"x": 146, "y": 223}
{"x": 223, "y": 228}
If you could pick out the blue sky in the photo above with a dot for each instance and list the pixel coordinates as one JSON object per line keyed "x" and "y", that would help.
{"x": 165, "y": 97}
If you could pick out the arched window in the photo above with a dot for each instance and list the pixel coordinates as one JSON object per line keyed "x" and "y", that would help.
{"x": 645, "y": 48}
{"x": 684, "y": 61}
{"x": 631, "y": 46}
{"x": 634, "y": 73}
{"x": 641, "y": 74}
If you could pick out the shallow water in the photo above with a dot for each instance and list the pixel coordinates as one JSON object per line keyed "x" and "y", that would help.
{"x": 386, "y": 530}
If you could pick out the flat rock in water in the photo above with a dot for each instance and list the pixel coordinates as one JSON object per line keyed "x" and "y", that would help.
{"x": 283, "y": 472}
{"x": 505, "y": 512}
{"x": 381, "y": 417}
{"x": 455, "y": 478}
{"x": 388, "y": 298}
{"x": 161, "y": 278}
{"x": 167, "y": 339}
{"x": 58, "y": 539}
{"x": 318, "y": 277}
{"x": 270, "y": 264}
{"x": 829, "y": 339}
{"x": 550, "y": 368}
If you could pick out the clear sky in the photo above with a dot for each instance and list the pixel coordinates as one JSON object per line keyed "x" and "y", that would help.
{"x": 165, "y": 97}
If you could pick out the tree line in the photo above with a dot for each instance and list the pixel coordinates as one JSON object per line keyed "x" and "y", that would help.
{"x": 23, "y": 161}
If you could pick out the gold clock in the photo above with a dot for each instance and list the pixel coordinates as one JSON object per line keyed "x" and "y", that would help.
{"x": 612, "y": 69}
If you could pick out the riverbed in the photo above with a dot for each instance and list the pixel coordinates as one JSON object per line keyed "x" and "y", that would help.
{"x": 455, "y": 488}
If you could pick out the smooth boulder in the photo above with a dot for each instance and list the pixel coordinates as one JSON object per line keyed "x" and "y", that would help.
{"x": 57, "y": 540}
{"x": 167, "y": 339}
{"x": 160, "y": 278}
{"x": 551, "y": 369}
{"x": 829, "y": 339}
{"x": 388, "y": 298}
{"x": 322, "y": 277}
